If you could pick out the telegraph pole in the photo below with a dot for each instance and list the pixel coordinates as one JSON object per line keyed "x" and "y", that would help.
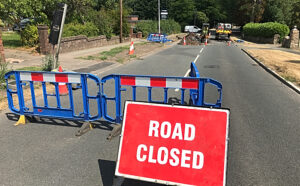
{"x": 159, "y": 16}
{"x": 121, "y": 22}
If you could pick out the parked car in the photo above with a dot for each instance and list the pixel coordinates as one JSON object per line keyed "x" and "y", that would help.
{"x": 192, "y": 28}
{"x": 23, "y": 23}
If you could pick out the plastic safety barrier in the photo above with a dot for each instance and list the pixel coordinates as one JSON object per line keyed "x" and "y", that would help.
{"x": 24, "y": 78}
{"x": 194, "y": 84}
{"x": 156, "y": 37}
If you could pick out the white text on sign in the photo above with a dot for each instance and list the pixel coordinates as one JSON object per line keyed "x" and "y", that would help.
{"x": 174, "y": 156}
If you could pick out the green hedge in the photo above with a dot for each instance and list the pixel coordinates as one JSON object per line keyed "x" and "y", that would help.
{"x": 149, "y": 26}
{"x": 268, "y": 29}
{"x": 30, "y": 36}
{"x": 75, "y": 29}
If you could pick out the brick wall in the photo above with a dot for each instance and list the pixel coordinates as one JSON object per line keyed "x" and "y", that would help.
{"x": 1, "y": 48}
{"x": 76, "y": 43}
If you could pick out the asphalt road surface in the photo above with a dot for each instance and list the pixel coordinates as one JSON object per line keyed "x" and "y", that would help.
{"x": 264, "y": 126}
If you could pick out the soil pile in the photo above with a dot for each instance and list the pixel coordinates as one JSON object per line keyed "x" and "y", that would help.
{"x": 191, "y": 39}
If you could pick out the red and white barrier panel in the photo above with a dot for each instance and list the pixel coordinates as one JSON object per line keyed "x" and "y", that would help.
{"x": 160, "y": 82}
{"x": 50, "y": 77}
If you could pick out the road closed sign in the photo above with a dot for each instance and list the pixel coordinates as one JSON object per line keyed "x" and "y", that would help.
{"x": 175, "y": 145}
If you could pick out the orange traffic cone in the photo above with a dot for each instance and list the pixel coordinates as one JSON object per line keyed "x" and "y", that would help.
{"x": 184, "y": 42}
{"x": 131, "y": 49}
{"x": 62, "y": 87}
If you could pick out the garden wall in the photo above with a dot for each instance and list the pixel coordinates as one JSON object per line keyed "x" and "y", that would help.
{"x": 75, "y": 43}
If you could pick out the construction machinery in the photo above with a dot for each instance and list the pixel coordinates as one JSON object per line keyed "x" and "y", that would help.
{"x": 223, "y": 30}
{"x": 205, "y": 32}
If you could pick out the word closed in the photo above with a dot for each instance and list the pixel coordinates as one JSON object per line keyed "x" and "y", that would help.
{"x": 173, "y": 145}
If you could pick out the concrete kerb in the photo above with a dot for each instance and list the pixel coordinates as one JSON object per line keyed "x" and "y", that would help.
{"x": 276, "y": 75}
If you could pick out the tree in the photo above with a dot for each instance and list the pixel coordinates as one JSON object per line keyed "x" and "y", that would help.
{"x": 278, "y": 11}
{"x": 296, "y": 15}
{"x": 182, "y": 11}
{"x": 200, "y": 18}
{"x": 145, "y": 9}
{"x": 213, "y": 10}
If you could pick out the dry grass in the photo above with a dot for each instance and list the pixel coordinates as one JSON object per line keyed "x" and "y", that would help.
{"x": 27, "y": 95}
{"x": 285, "y": 64}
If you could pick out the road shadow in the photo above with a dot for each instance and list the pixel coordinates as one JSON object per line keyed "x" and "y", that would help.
{"x": 103, "y": 125}
{"x": 107, "y": 172}
{"x": 175, "y": 101}
{"x": 294, "y": 61}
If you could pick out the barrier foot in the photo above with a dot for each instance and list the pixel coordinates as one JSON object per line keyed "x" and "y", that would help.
{"x": 115, "y": 132}
{"x": 118, "y": 181}
{"x": 22, "y": 120}
{"x": 86, "y": 126}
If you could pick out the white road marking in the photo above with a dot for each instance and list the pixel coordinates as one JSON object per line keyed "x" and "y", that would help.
{"x": 201, "y": 49}
{"x": 189, "y": 70}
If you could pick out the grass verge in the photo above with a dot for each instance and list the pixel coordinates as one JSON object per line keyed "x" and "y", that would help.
{"x": 11, "y": 39}
{"x": 31, "y": 68}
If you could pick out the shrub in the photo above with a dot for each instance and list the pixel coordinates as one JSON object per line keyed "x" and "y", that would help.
{"x": 170, "y": 27}
{"x": 75, "y": 29}
{"x": 268, "y": 29}
{"x": 146, "y": 27}
{"x": 30, "y": 36}
{"x": 167, "y": 27}
{"x": 104, "y": 22}
{"x": 48, "y": 62}
{"x": 3, "y": 71}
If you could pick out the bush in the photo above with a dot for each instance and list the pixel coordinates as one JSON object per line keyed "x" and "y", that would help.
{"x": 30, "y": 36}
{"x": 104, "y": 22}
{"x": 75, "y": 29}
{"x": 3, "y": 71}
{"x": 170, "y": 27}
{"x": 48, "y": 62}
{"x": 167, "y": 27}
{"x": 268, "y": 29}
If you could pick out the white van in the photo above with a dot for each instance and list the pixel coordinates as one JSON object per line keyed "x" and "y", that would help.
{"x": 193, "y": 28}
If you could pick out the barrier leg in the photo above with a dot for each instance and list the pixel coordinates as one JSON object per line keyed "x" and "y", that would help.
{"x": 118, "y": 181}
{"x": 86, "y": 126}
{"x": 22, "y": 120}
{"x": 115, "y": 132}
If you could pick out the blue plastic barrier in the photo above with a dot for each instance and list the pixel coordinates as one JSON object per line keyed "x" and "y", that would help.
{"x": 24, "y": 78}
{"x": 194, "y": 96}
{"x": 156, "y": 37}
{"x": 196, "y": 86}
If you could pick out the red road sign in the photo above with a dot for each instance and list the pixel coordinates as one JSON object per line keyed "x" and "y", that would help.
{"x": 173, "y": 144}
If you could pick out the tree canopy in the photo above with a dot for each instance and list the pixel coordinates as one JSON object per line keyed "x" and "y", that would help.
{"x": 183, "y": 11}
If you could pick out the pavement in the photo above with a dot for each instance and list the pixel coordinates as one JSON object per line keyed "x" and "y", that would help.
{"x": 69, "y": 61}
{"x": 263, "y": 133}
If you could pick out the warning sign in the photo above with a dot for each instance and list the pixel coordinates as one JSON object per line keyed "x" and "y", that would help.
{"x": 173, "y": 144}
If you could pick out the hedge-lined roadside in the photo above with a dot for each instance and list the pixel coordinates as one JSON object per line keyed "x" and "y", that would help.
{"x": 167, "y": 27}
{"x": 267, "y": 30}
